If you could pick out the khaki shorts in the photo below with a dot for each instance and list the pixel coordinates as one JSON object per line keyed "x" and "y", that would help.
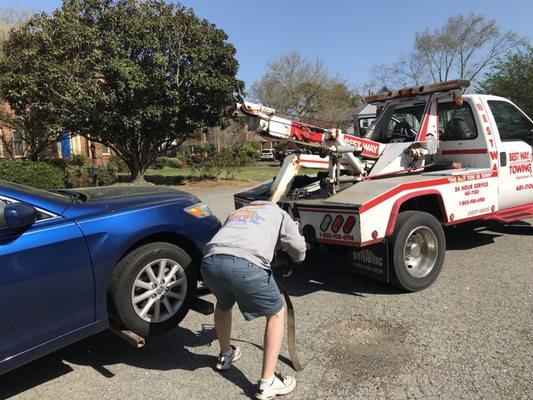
{"x": 233, "y": 279}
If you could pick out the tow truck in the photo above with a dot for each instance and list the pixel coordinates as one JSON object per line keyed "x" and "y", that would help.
{"x": 434, "y": 157}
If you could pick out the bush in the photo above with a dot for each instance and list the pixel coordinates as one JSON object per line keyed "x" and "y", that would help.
{"x": 162, "y": 162}
{"x": 222, "y": 165}
{"x": 249, "y": 152}
{"x": 59, "y": 162}
{"x": 77, "y": 159}
{"x": 79, "y": 176}
{"x": 202, "y": 153}
{"x": 41, "y": 175}
{"x": 82, "y": 176}
{"x": 118, "y": 164}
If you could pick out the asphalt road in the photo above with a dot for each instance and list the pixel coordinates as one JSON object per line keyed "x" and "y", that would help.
{"x": 469, "y": 336}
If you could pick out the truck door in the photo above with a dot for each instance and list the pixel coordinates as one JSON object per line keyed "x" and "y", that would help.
{"x": 460, "y": 139}
{"x": 515, "y": 148}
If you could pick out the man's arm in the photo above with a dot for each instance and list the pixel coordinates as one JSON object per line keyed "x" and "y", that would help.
{"x": 291, "y": 241}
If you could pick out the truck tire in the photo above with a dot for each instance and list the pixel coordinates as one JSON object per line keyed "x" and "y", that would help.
{"x": 417, "y": 249}
{"x": 152, "y": 288}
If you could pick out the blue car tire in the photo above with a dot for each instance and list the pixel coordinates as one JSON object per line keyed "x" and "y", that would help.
{"x": 152, "y": 288}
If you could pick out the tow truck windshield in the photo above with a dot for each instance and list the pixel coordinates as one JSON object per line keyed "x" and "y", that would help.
{"x": 401, "y": 124}
{"x": 397, "y": 123}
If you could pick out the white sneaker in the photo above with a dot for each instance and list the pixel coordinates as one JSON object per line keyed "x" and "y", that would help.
{"x": 281, "y": 385}
{"x": 224, "y": 362}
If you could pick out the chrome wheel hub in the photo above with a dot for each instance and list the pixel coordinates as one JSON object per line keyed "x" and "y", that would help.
{"x": 159, "y": 290}
{"x": 420, "y": 252}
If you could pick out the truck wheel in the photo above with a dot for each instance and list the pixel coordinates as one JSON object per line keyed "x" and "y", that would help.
{"x": 152, "y": 288}
{"x": 418, "y": 245}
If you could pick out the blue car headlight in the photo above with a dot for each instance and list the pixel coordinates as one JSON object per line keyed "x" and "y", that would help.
{"x": 198, "y": 210}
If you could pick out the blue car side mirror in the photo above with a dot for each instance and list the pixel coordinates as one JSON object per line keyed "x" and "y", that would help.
{"x": 20, "y": 215}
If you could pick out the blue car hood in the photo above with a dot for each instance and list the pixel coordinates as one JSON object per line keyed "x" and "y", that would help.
{"x": 110, "y": 199}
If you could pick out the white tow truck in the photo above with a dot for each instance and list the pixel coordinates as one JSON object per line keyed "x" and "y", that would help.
{"x": 434, "y": 157}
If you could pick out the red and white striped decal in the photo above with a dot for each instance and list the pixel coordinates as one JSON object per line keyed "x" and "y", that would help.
{"x": 424, "y": 184}
{"x": 430, "y": 122}
{"x": 464, "y": 151}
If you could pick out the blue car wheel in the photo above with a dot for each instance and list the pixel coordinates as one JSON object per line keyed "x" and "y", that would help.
{"x": 152, "y": 288}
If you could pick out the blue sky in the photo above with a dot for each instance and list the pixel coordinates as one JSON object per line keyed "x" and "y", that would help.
{"x": 350, "y": 36}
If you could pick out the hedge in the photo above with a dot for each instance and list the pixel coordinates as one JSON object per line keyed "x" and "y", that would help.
{"x": 162, "y": 162}
{"x": 40, "y": 175}
{"x": 82, "y": 176}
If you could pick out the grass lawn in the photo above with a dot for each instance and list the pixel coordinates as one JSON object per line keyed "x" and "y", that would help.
{"x": 254, "y": 173}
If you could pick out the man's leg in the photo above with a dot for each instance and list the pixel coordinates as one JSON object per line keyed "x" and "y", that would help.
{"x": 272, "y": 343}
{"x": 223, "y": 328}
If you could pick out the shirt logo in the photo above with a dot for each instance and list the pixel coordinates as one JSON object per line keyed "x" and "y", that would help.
{"x": 244, "y": 216}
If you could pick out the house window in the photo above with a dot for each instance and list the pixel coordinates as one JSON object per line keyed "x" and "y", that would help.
{"x": 192, "y": 149}
{"x": 18, "y": 144}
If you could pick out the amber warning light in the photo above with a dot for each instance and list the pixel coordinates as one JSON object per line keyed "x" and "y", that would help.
{"x": 418, "y": 90}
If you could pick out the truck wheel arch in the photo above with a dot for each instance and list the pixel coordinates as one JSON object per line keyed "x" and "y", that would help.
{"x": 409, "y": 202}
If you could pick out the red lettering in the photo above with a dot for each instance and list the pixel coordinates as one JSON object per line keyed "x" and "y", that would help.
{"x": 479, "y": 106}
{"x": 525, "y": 155}
{"x": 493, "y": 155}
{"x": 485, "y": 119}
{"x": 520, "y": 169}
{"x": 489, "y": 131}
{"x": 491, "y": 142}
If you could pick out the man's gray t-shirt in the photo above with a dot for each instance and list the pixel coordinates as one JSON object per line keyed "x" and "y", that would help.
{"x": 255, "y": 232}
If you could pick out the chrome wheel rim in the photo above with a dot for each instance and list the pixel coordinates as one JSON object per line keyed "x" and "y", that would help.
{"x": 420, "y": 252}
{"x": 159, "y": 290}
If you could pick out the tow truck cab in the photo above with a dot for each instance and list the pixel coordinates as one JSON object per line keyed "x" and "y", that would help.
{"x": 481, "y": 170}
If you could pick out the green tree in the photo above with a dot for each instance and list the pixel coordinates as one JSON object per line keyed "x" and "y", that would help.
{"x": 134, "y": 75}
{"x": 512, "y": 77}
{"x": 35, "y": 127}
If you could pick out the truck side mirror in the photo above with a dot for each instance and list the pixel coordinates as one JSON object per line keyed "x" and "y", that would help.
{"x": 20, "y": 215}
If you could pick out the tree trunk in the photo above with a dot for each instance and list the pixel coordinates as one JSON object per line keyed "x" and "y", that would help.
{"x": 136, "y": 172}
{"x": 139, "y": 180}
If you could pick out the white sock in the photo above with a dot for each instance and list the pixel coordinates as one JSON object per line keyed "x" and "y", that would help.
{"x": 270, "y": 380}
{"x": 228, "y": 353}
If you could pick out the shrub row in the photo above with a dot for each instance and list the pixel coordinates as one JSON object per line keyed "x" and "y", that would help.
{"x": 57, "y": 173}
{"x": 41, "y": 175}
{"x": 162, "y": 162}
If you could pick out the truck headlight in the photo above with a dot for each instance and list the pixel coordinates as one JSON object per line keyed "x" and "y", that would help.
{"x": 198, "y": 210}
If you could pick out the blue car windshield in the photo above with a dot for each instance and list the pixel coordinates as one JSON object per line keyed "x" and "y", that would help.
{"x": 50, "y": 195}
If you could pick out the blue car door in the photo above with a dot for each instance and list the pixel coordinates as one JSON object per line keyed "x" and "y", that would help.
{"x": 46, "y": 283}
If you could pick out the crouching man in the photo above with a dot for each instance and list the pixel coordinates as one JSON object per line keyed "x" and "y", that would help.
{"x": 236, "y": 268}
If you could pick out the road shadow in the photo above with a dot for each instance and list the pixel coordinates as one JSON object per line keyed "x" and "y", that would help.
{"x": 161, "y": 353}
{"x": 325, "y": 270}
{"x": 166, "y": 180}
{"x": 476, "y": 234}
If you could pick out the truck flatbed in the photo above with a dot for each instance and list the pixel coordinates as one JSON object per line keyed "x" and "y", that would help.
{"x": 368, "y": 190}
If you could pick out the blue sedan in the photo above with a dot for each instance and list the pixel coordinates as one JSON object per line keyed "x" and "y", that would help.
{"x": 71, "y": 261}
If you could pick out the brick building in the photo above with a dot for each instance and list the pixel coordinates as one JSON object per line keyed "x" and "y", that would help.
{"x": 12, "y": 146}
{"x": 234, "y": 135}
